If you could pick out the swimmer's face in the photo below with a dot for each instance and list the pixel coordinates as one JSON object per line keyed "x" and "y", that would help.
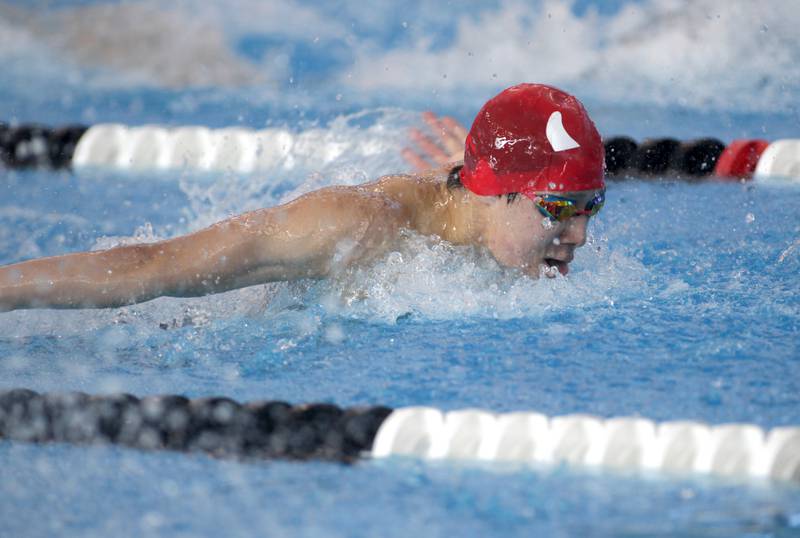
{"x": 519, "y": 235}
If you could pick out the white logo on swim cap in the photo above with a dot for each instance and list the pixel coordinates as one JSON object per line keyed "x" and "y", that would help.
{"x": 558, "y": 136}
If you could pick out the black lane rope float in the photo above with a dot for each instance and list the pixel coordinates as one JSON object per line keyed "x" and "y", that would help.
{"x": 272, "y": 429}
{"x": 27, "y": 146}
{"x": 217, "y": 426}
{"x": 245, "y": 150}
{"x": 663, "y": 156}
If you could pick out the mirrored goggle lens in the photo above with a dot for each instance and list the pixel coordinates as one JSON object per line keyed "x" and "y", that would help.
{"x": 595, "y": 204}
{"x": 559, "y": 210}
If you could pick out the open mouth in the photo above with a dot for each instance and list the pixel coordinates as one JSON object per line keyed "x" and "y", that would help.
{"x": 556, "y": 265}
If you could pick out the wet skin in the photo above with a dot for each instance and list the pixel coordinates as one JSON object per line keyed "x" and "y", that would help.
{"x": 314, "y": 236}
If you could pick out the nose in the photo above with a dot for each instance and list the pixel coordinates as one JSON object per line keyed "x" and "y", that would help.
{"x": 574, "y": 232}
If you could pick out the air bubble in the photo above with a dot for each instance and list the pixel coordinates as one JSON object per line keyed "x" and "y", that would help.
{"x": 749, "y": 218}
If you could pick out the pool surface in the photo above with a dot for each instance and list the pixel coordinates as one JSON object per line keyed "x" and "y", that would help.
{"x": 684, "y": 304}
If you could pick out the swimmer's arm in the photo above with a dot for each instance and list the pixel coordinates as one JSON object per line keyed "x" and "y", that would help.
{"x": 307, "y": 238}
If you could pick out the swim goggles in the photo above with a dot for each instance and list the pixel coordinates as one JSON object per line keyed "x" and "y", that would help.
{"x": 560, "y": 209}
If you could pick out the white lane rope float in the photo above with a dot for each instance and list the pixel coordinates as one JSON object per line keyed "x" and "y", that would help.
{"x": 264, "y": 430}
{"x": 242, "y": 150}
{"x": 198, "y": 148}
{"x": 631, "y": 444}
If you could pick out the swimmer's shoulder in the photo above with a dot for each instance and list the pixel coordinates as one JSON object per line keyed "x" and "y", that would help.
{"x": 410, "y": 188}
{"x": 385, "y": 200}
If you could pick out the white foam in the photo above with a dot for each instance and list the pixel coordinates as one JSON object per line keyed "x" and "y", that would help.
{"x": 697, "y": 53}
{"x": 170, "y": 43}
{"x": 700, "y": 53}
{"x": 436, "y": 280}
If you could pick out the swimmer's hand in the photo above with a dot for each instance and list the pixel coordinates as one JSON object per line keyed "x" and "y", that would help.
{"x": 313, "y": 236}
{"x": 446, "y": 144}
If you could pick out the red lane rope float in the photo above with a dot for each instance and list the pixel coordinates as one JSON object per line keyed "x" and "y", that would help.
{"x": 739, "y": 159}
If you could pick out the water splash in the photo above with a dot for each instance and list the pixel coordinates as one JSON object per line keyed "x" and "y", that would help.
{"x": 429, "y": 279}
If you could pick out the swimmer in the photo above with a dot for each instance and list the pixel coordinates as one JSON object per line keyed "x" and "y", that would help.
{"x": 531, "y": 177}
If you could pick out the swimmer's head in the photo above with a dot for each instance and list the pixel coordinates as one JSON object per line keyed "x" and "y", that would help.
{"x": 530, "y": 139}
{"x": 535, "y": 160}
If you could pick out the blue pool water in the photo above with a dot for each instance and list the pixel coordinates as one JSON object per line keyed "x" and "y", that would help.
{"x": 683, "y": 305}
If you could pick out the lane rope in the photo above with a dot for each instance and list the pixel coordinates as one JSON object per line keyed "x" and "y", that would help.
{"x": 241, "y": 150}
{"x": 273, "y": 429}
{"x": 217, "y": 426}
{"x": 627, "y": 443}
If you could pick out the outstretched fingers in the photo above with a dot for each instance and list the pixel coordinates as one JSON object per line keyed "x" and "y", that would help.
{"x": 429, "y": 147}
{"x": 444, "y": 144}
{"x": 416, "y": 160}
{"x": 450, "y": 134}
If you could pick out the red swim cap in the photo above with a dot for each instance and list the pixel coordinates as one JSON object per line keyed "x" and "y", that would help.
{"x": 532, "y": 138}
